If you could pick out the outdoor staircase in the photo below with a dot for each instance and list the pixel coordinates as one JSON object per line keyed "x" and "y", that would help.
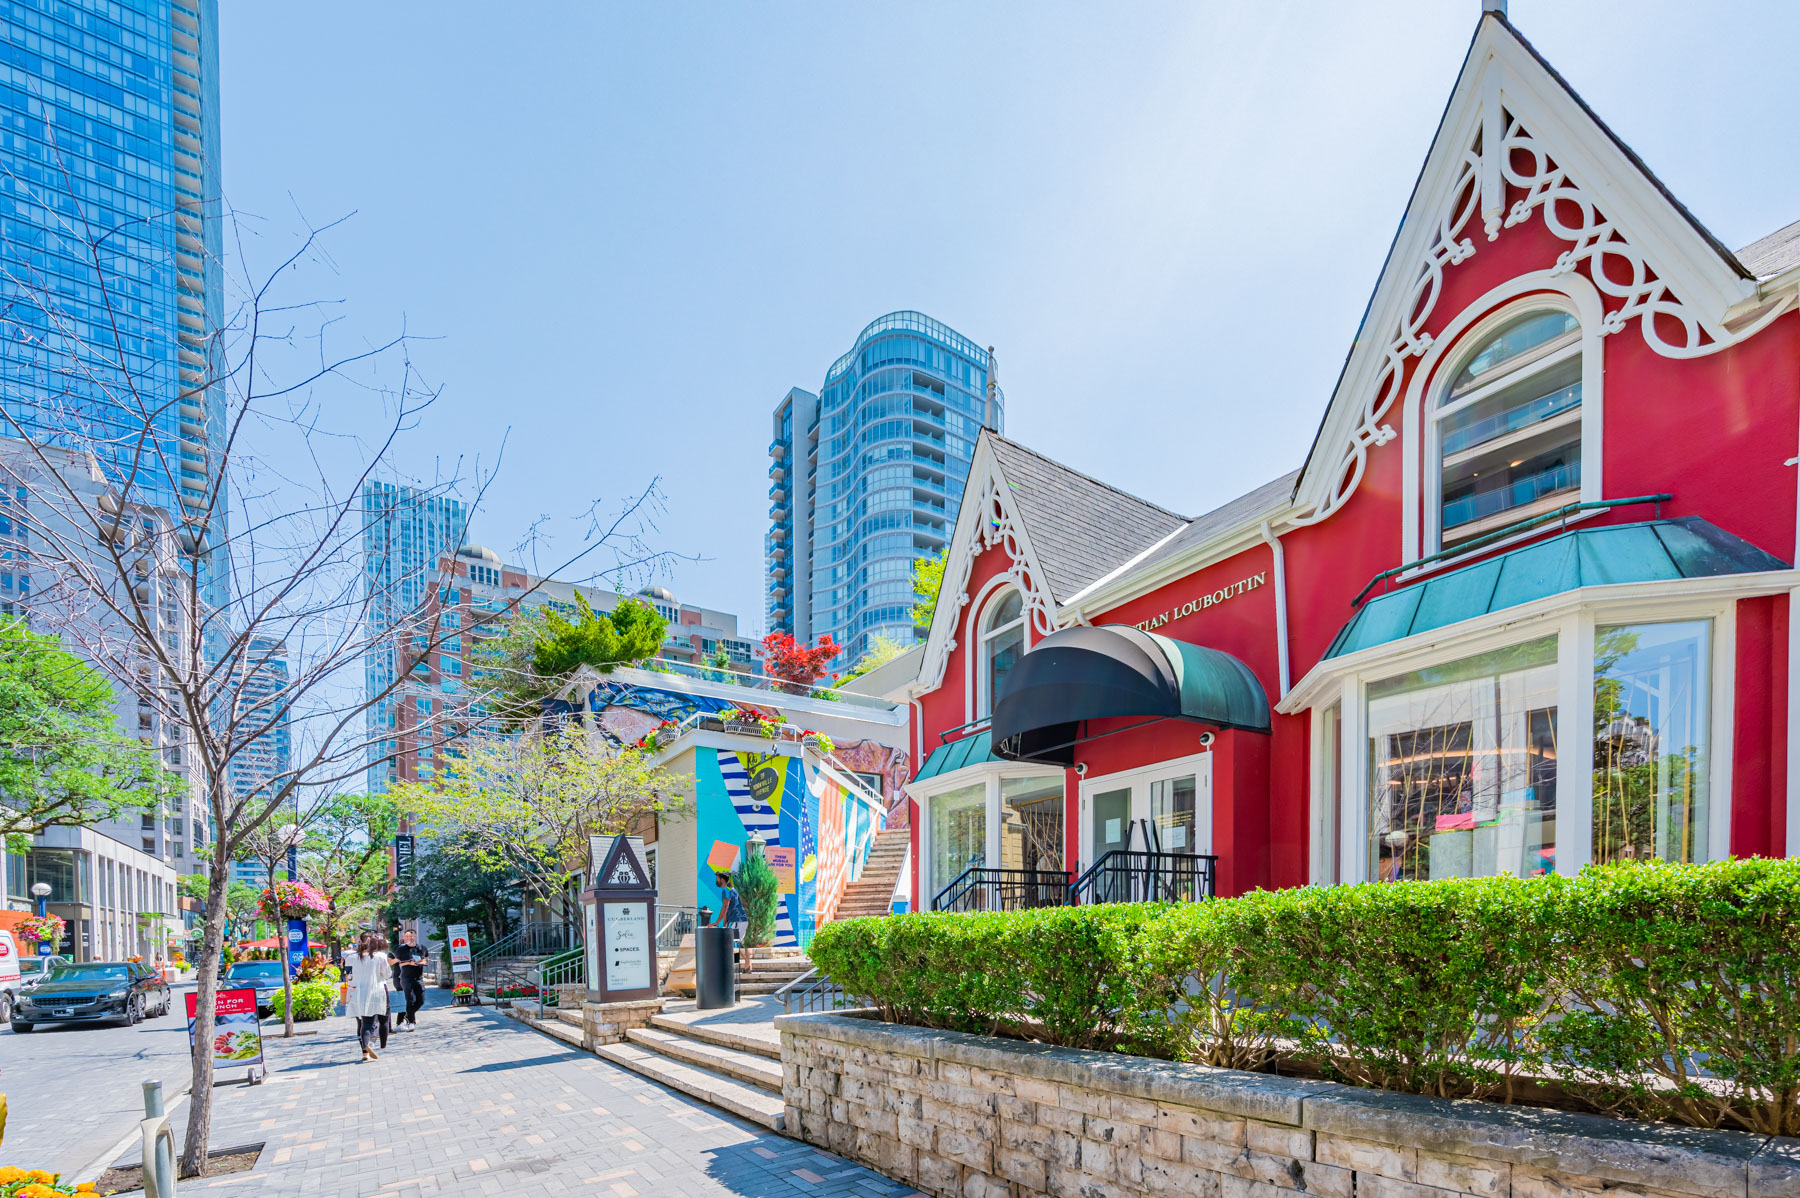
{"x": 735, "y": 1067}
{"x": 873, "y": 891}
{"x": 766, "y": 970}
{"x": 729, "y": 1066}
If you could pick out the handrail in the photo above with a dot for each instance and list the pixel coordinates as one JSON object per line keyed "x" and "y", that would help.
{"x": 1135, "y": 876}
{"x": 1513, "y": 529}
{"x": 1006, "y": 889}
{"x": 946, "y": 734}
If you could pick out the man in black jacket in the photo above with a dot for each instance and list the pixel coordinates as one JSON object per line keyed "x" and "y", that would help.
{"x": 410, "y": 961}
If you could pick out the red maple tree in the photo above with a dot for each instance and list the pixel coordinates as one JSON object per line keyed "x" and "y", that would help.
{"x": 794, "y": 664}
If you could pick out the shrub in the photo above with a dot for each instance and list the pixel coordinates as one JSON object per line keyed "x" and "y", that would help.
{"x": 759, "y": 890}
{"x": 312, "y": 1000}
{"x": 1676, "y": 975}
{"x": 1658, "y": 991}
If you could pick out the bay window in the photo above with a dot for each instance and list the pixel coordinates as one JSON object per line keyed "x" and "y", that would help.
{"x": 1444, "y": 763}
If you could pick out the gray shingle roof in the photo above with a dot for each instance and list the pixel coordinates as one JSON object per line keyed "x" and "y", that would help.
{"x": 1769, "y": 256}
{"x": 1223, "y": 518}
{"x": 1080, "y": 527}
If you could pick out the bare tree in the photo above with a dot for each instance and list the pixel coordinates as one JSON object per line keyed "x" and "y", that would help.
{"x": 180, "y": 529}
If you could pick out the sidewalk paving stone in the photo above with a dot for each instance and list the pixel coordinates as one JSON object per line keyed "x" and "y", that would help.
{"x": 475, "y": 1103}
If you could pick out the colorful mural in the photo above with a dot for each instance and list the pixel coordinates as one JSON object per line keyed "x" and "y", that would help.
{"x": 889, "y": 764}
{"x": 810, "y": 823}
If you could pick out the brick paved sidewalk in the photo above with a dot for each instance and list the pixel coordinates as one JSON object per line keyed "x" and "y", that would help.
{"x": 474, "y": 1103}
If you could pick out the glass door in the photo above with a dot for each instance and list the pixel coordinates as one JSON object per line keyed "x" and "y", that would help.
{"x": 1110, "y": 812}
{"x": 1031, "y": 839}
{"x": 1172, "y": 819}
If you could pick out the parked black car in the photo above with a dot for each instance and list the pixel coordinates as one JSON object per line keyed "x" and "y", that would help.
{"x": 263, "y": 976}
{"x": 121, "y": 992}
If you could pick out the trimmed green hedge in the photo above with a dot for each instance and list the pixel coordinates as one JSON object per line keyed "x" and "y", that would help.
{"x": 1657, "y": 991}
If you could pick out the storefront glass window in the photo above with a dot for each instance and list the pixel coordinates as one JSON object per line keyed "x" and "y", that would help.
{"x": 58, "y": 867}
{"x": 1462, "y": 767}
{"x": 958, "y": 833}
{"x": 1172, "y": 814}
{"x": 1031, "y": 823}
{"x": 1650, "y": 741}
{"x": 1331, "y": 788}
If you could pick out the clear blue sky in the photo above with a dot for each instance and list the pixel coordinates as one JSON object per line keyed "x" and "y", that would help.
{"x": 628, "y": 230}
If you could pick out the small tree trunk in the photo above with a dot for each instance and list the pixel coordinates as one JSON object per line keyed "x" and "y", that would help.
{"x": 199, "y": 1128}
{"x": 287, "y": 992}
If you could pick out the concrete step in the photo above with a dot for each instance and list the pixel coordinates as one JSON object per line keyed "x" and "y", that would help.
{"x": 556, "y": 1029}
{"x": 754, "y": 988}
{"x": 753, "y": 1068}
{"x": 723, "y": 1034}
{"x": 746, "y": 1101}
{"x": 570, "y": 1016}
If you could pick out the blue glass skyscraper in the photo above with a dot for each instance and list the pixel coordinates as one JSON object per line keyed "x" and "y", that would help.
{"x": 110, "y": 233}
{"x": 866, "y": 477}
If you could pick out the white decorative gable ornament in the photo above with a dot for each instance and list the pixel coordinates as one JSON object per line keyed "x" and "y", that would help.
{"x": 1503, "y": 152}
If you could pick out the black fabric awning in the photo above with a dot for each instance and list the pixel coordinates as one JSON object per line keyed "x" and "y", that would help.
{"x": 1089, "y": 673}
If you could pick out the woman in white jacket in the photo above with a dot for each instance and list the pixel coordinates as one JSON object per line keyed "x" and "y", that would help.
{"x": 367, "y": 975}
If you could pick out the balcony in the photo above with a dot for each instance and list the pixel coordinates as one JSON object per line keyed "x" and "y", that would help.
{"x": 778, "y": 494}
{"x": 777, "y": 471}
{"x": 778, "y": 450}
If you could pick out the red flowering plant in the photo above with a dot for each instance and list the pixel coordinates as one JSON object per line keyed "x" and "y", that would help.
{"x": 293, "y": 900}
{"x": 795, "y": 666}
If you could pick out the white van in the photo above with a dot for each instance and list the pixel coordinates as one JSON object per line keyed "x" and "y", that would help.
{"x": 10, "y": 978}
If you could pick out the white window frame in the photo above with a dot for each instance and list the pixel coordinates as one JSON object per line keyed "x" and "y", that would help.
{"x": 977, "y": 702}
{"x": 1139, "y": 780}
{"x": 1422, "y": 468}
{"x": 989, "y": 775}
{"x": 1574, "y": 629}
{"x": 1565, "y": 348}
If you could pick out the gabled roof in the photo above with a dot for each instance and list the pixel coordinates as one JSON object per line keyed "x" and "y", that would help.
{"x": 1769, "y": 256}
{"x": 1513, "y": 123}
{"x": 1080, "y": 527}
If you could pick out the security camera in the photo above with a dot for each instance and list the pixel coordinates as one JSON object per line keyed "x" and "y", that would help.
{"x": 1081, "y": 769}
{"x": 1206, "y": 740}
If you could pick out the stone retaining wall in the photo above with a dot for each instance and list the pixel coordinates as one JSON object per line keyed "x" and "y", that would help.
{"x": 981, "y": 1117}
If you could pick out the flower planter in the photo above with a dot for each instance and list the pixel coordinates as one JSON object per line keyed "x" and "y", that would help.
{"x": 960, "y": 1114}
{"x": 711, "y": 724}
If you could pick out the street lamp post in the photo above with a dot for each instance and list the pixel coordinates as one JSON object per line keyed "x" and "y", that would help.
{"x": 41, "y": 890}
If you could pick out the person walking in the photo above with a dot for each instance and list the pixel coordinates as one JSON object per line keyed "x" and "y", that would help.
{"x": 367, "y": 974}
{"x": 732, "y": 913}
{"x": 410, "y": 957}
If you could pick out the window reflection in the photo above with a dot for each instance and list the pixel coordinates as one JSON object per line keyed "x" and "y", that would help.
{"x": 1462, "y": 767}
{"x": 1650, "y": 738}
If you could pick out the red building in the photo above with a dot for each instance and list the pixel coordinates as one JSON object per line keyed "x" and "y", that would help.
{"x": 1524, "y": 606}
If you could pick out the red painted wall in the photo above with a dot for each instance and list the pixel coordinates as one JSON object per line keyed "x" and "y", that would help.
{"x": 1715, "y": 432}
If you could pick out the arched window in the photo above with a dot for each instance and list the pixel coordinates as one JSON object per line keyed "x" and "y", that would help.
{"x": 1002, "y": 642}
{"x": 1508, "y": 427}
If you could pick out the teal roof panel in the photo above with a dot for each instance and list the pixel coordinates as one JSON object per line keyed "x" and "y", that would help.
{"x": 1651, "y": 551}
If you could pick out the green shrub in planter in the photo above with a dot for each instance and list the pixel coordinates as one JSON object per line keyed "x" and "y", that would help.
{"x": 1659, "y": 991}
{"x": 759, "y": 890}
{"x": 1677, "y": 973}
{"x": 312, "y": 1000}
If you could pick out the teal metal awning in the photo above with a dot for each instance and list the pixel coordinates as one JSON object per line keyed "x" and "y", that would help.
{"x": 945, "y": 759}
{"x": 1652, "y": 551}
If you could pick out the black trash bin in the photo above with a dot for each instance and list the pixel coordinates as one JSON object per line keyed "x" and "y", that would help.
{"x": 715, "y": 970}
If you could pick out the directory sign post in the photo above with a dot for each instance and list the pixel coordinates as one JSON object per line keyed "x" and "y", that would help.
{"x": 621, "y": 908}
{"x": 461, "y": 959}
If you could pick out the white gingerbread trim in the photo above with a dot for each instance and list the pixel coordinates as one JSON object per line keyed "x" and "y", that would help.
{"x": 987, "y": 520}
{"x": 1505, "y": 115}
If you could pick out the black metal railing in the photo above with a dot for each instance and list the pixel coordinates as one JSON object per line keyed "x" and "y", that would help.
{"x": 979, "y": 888}
{"x": 1122, "y": 876}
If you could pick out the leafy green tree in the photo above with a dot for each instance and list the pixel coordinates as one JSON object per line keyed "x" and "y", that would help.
{"x": 759, "y": 888}
{"x": 882, "y": 650}
{"x": 927, "y": 580}
{"x": 539, "y": 648}
{"x": 451, "y": 885}
{"x": 528, "y": 804}
{"x": 345, "y": 856}
{"x": 241, "y": 899}
{"x": 63, "y": 759}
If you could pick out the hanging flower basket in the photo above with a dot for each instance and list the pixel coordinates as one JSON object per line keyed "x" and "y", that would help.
{"x": 41, "y": 929}
{"x": 293, "y": 900}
